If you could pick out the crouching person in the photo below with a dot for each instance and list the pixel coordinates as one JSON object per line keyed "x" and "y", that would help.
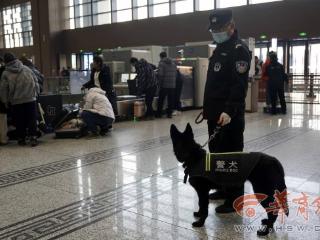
{"x": 97, "y": 111}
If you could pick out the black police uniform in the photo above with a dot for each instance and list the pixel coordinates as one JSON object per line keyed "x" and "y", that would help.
{"x": 277, "y": 77}
{"x": 225, "y": 91}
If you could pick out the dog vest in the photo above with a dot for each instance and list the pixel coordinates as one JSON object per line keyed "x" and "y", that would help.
{"x": 225, "y": 168}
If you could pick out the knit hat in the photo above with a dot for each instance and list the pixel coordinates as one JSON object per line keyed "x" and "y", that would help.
{"x": 9, "y": 57}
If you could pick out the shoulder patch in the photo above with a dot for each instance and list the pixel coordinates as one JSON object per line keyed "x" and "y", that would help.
{"x": 238, "y": 46}
{"x": 217, "y": 67}
{"x": 242, "y": 66}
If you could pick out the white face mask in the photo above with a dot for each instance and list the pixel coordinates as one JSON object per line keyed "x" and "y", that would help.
{"x": 220, "y": 37}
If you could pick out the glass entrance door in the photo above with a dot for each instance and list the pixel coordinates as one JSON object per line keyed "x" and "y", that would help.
{"x": 314, "y": 63}
{"x": 297, "y": 54}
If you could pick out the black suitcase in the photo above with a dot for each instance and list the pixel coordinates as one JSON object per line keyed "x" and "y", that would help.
{"x": 65, "y": 116}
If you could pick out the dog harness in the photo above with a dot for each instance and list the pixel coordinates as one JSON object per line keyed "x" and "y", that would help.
{"x": 231, "y": 168}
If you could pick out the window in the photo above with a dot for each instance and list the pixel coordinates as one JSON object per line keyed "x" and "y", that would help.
{"x": 104, "y": 18}
{"x": 73, "y": 61}
{"x": 261, "y": 53}
{"x": 182, "y": 6}
{"x": 101, "y": 11}
{"x": 280, "y": 54}
{"x": 123, "y": 15}
{"x": 16, "y": 28}
{"x": 87, "y": 60}
{"x": 229, "y": 3}
{"x": 314, "y": 61}
{"x": 101, "y": 7}
{"x": 85, "y": 13}
{"x": 297, "y": 54}
{"x": 204, "y": 5}
{"x": 140, "y": 9}
{"x": 83, "y": 22}
{"x": 82, "y": 10}
{"x": 122, "y": 10}
{"x": 262, "y": 1}
{"x": 122, "y": 4}
{"x": 160, "y": 8}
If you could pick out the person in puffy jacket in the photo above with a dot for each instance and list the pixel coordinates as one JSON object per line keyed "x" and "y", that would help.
{"x": 3, "y": 113}
{"x": 25, "y": 61}
{"x": 19, "y": 87}
{"x": 97, "y": 111}
{"x": 167, "y": 74}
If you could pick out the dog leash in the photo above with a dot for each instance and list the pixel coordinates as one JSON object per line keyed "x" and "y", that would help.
{"x": 198, "y": 120}
{"x": 212, "y": 136}
{"x": 215, "y": 132}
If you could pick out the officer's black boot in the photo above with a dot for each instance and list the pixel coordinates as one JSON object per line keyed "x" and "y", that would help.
{"x": 217, "y": 195}
{"x": 226, "y": 207}
{"x": 232, "y": 194}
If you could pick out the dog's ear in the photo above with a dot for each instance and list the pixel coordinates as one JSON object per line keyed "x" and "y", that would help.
{"x": 188, "y": 132}
{"x": 174, "y": 132}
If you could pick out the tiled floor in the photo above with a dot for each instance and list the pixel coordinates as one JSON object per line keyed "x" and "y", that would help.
{"x": 129, "y": 185}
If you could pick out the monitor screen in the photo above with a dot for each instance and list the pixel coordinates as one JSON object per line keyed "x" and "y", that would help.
{"x": 124, "y": 77}
{"x": 133, "y": 76}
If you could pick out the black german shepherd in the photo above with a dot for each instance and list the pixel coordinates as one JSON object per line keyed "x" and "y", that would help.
{"x": 265, "y": 173}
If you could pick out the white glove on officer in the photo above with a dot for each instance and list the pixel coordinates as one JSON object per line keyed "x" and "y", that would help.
{"x": 224, "y": 119}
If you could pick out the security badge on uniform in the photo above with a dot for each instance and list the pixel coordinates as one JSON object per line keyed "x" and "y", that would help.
{"x": 241, "y": 66}
{"x": 217, "y": 67}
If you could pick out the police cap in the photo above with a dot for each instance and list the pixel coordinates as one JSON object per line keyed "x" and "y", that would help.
{"x": 219, "y": 18}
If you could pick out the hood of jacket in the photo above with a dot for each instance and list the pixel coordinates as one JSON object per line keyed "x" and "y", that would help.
{"x": 97, "y": 90}
{"x": 14, "y": 66}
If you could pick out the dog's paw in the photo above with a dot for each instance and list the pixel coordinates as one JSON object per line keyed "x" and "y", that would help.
{"x": 197, "y": 214}
{"x": 198, "y": 223}
{"x": 265, "y": 228}
{"x": 264, "y": 231}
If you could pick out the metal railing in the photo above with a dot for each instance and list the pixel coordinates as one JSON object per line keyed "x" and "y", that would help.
{"x": 304, "y": 83}
{"x": 304, "y": 88}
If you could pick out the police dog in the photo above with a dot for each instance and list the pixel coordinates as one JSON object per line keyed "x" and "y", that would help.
{"x": 265, "y": 173}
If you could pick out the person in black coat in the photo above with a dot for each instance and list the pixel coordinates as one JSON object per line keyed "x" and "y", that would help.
{"x": 225, "y": 93}
{"x": 101, "y": 77}
{"x": 277, "y": 78}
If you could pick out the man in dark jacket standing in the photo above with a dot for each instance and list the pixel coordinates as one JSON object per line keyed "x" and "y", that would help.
{"x": 146, "y": 83}
{"x": 225, "y": 93}
{"x": 101, "y": 77}
{"x": 277, "y": 78}
{"x": 167, "y": 74}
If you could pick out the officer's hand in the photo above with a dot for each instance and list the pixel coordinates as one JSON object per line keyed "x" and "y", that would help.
{"x": 224, "y": 119}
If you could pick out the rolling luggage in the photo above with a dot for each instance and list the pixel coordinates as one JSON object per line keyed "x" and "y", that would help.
{"x": 69, "y": 125}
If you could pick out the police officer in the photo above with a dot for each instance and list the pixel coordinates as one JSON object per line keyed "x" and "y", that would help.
{"x": 225, "y": 93}
{"x": 277, "y": 78}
